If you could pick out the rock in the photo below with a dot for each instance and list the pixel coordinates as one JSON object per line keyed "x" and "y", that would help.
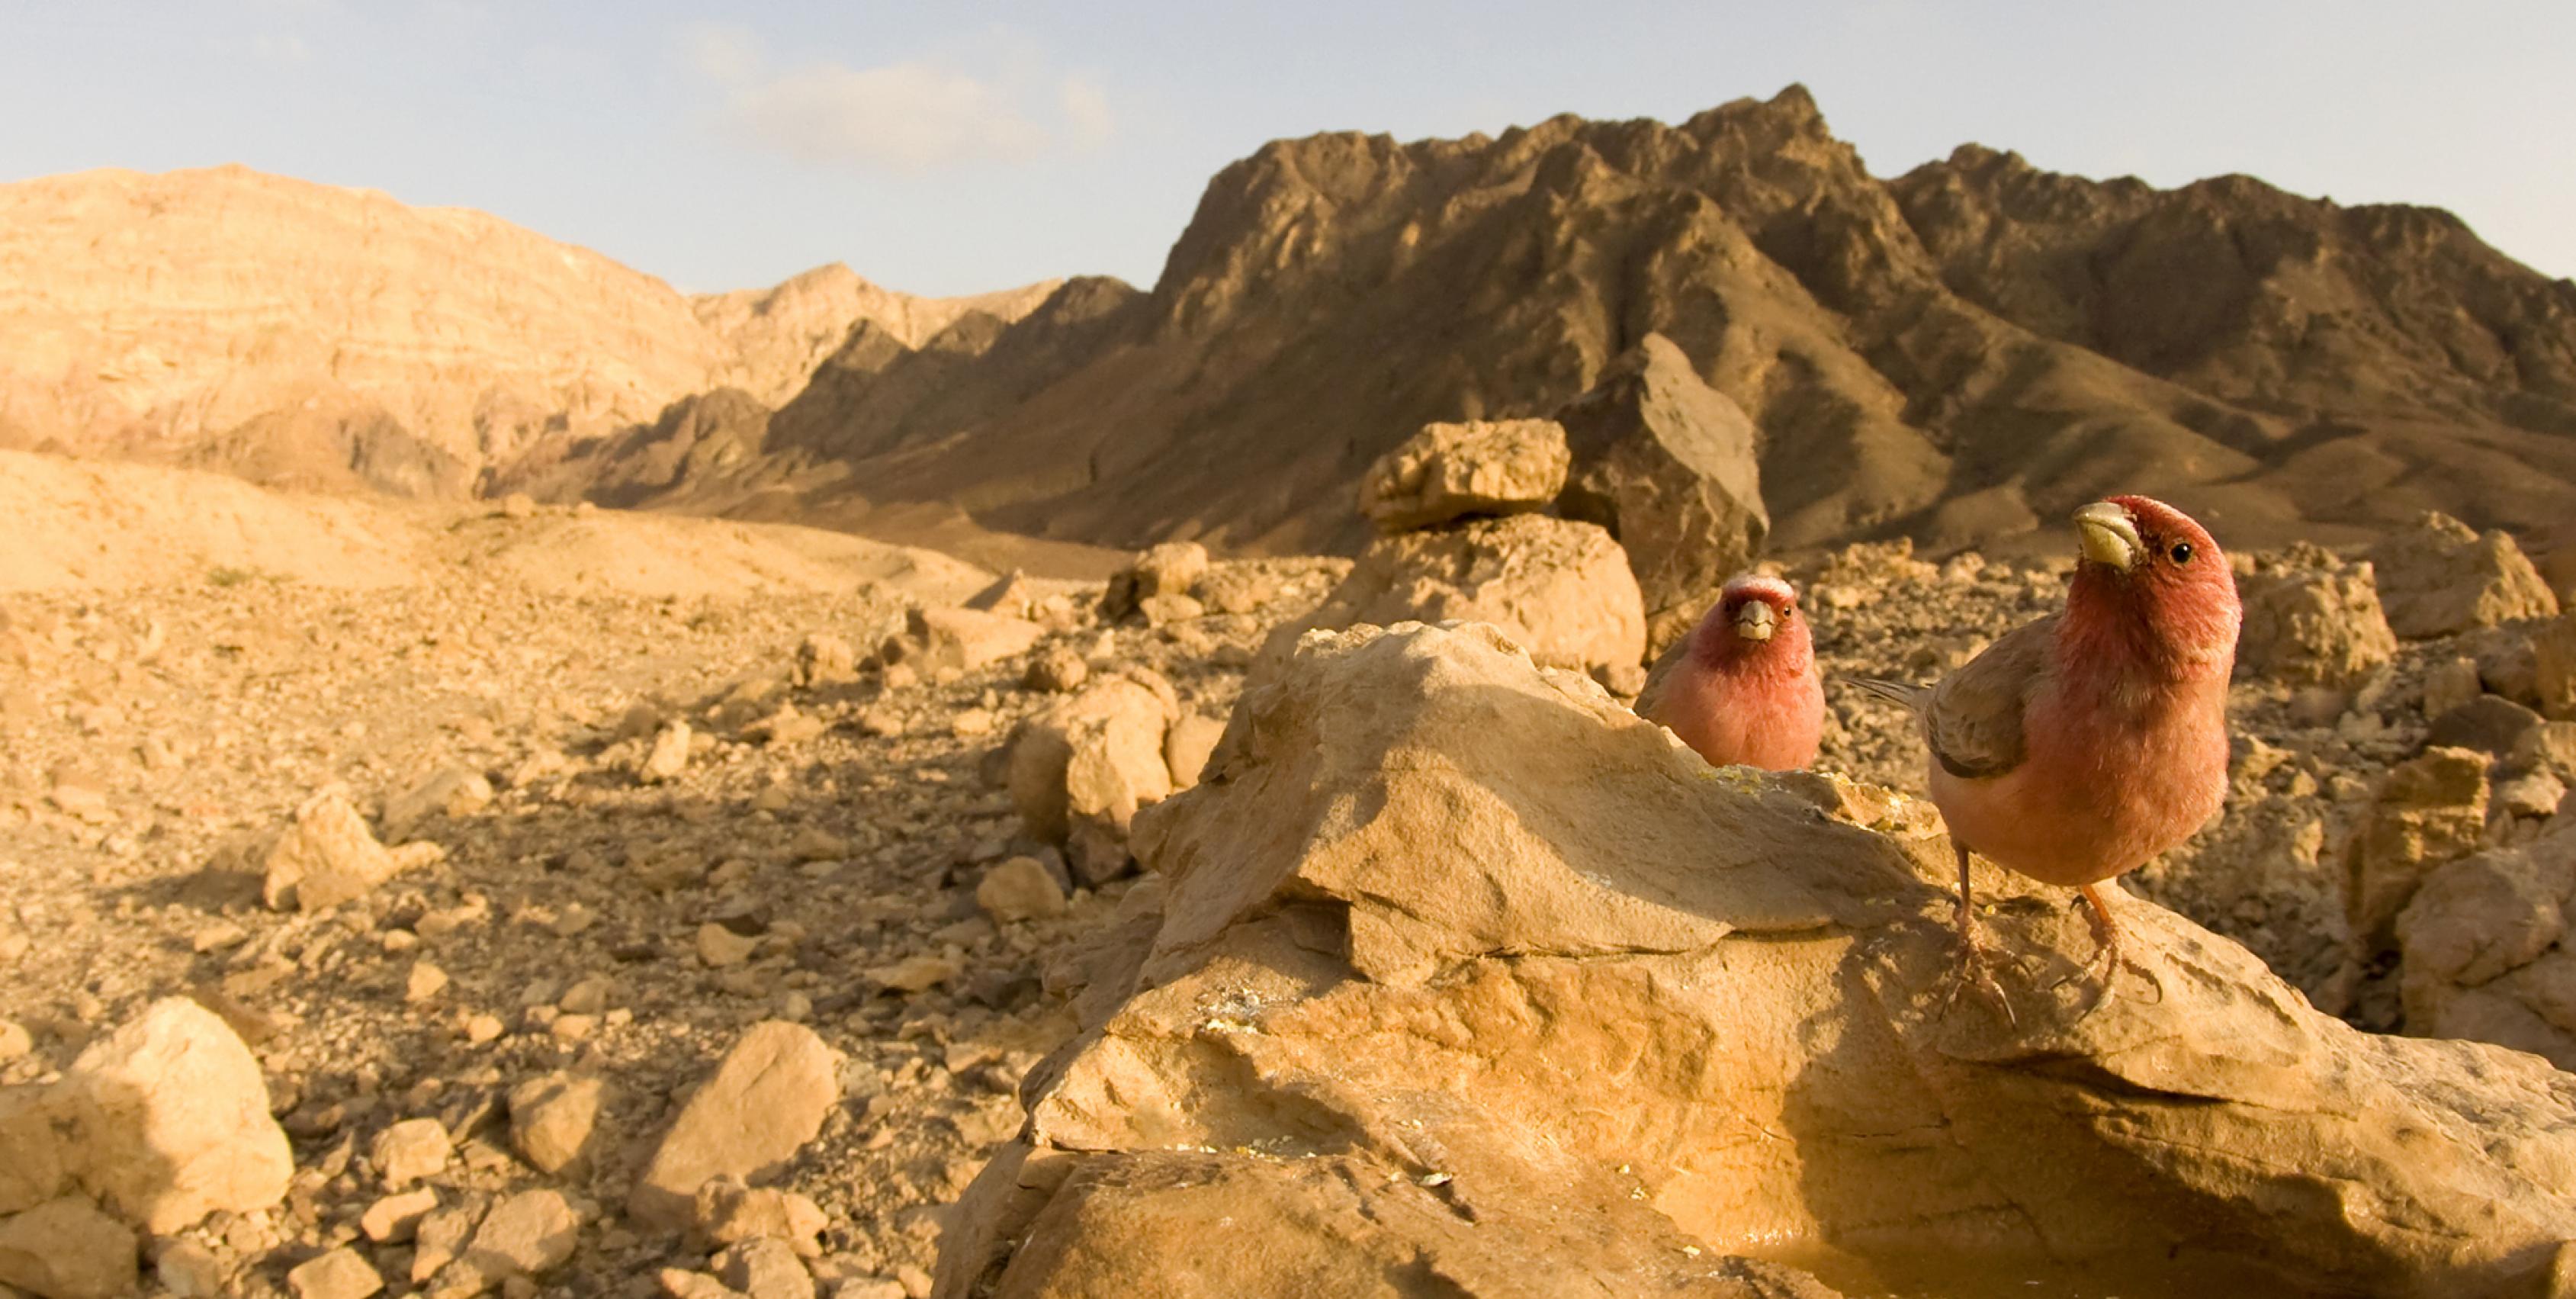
{"x": 518, "y": 505}
{"x": 2427, "y": 811}
{"x": 729, "y": 1213}
{"x": 1168, "y": 569}
{"x": 170, "y": 1121}
{"x": 325, "y": 856}
{"x": 1422, "y": 1036}
{"x": 2451, "y": 685}
{"x": 67, "y": 1249}
{"x": 2490, "y": 724}
{"x": 1166, "y": 609}
{"x": 393, "y": 1218}
{"x": 1079, "y": 770}
{"x": 189, "y": 1270}
{"x": 1056, "y": 670}
{"x": 680, "y": 1283}
{"x": 1019, "y": 889}
{"x": 1560, "y": 589}
{"x": 719, "y": 946}
{"x": 2553, "y": 654}
{"x": 1012, "y": 593}
{"x": 1187, "y": 744}
{"x": 2442, "y": 577}
{"x": 2318, "y": 624}
{"x": 767, "y": 1099}
{"x": 824, "y": 659}
{"x": 424, "y": 982}
{"x": 441, "y": 1235}
{"x": 765, "y": 1269}
{"x": 2483, "y": 960}
{"x": 554, "y": 1118}
{"x": 15, "y": 1040}
{"x": 669, "y": 755}
{"x": 1667, "y": 465}
{"x": 961, "y": 640}
{"x": 343, "y": 1273}
{"x": 2533, "y": 795}
{"x": 527, "y": 1235}
{"x": 451, "y": 792}
{"x": 409, "y": 1151}
{"x": 1452, "y": 471}
{"x": 2550, "y": 746}
{"x": 917, "y": 973}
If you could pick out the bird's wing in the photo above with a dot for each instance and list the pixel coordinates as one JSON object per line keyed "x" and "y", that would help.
{"x": 1973, "y": 718}
{"x": 1651, "y": 697}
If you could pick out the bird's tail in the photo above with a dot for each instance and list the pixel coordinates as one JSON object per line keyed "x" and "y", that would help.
{"x": 1895, "y": 692}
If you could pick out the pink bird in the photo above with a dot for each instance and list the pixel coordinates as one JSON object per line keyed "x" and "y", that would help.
{"x": 2079, "y": 747}
{"x": 1742, "y": 686}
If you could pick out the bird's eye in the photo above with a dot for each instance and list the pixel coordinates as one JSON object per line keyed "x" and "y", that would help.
{"x": 2181, "y": 552}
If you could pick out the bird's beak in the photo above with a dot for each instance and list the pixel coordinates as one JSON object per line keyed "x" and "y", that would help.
{"x": 1756, "y": 621}
{"x": 2107, "y": 535}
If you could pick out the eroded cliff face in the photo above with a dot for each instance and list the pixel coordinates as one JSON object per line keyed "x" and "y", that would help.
{"x": 1958, "y": 355}
{"x": 312, "y": 336}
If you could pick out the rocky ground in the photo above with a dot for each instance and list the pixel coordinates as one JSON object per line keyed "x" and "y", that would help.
{"x": 605, "y": 944}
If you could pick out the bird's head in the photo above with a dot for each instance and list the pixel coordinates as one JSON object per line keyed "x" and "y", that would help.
{"x": 1757, "y": 618}
{"x": 2159, "y": 576}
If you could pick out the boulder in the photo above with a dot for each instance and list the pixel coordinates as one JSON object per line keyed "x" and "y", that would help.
{"x": 343, "y": 1273}
{"x": 1668, "y": 465}
{"x": 729, "y": 1213}
{"x": 67, "y": 1249}
{"x": 1171, "y": 568}
{"x": 451, "y": 792}
{"x": 2319, "y": 623}
{"x": 1466, "y": 981}
{"x": 168, "y": 1120}
{"x": 1019, "y": 888}
{"x": 2483, "y": 952}
{"x": 767, "y": 1099}
{"x": 824, "y": 659}
{"x": 1079, "y": 770}
{"x": 554, "y": 1118}
{"x": 1560, "y": 589}
{"x": 2553, "y": 661}
{"x": 325, "y": 856}
{"x": 1447, "y": 472}
{"x": 959, "y": 639}
{"x": 2443, "y": 576}
{"x": 2428, "y": 810}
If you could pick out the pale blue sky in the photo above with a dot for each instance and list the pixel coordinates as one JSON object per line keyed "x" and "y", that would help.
{"x": 948, "y": 148}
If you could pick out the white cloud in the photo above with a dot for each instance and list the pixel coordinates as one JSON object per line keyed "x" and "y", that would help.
{"x": 911, "y": 116}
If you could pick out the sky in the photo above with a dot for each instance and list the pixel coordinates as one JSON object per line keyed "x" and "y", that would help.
{"x": 955, "y": 148}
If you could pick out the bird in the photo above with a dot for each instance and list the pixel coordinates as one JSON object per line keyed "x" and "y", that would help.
{"x": 1742, "y": 687}
{"x": 2083, "y": 745}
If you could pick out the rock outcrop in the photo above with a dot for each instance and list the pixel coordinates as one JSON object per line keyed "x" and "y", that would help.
{"x": 1448, "y": 472}
{"x": 2314, "y": 621}
{"x": 1462, "y": 980}
{"x": 1672, "y": 468}
{"x": 2443, "y": 576}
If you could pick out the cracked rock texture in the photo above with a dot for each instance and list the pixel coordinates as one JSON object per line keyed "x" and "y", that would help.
{"x": 1464, "y": 980}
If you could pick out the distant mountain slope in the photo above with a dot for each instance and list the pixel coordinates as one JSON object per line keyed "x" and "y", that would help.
{"x": 1961, "y": 354}
{"x": 315, "y": 336}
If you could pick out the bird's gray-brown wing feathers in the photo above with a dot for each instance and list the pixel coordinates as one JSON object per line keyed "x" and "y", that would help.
{"x": 1973, "y": 718}
{"x": 1651, "y": 697}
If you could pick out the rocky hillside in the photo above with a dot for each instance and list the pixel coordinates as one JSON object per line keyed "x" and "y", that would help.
{"x": 1956, "y": 355}
{"x": 312, "y": 336}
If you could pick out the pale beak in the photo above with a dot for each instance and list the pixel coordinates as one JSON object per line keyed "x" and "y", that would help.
{"x": 1756, "y": 621}
{"x": 2107, "y": 535}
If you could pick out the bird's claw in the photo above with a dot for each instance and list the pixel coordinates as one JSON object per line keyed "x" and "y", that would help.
{"x": 1976, "y": 969}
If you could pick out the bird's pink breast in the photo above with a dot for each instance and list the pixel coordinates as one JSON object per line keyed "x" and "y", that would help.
{"x": 1768, "y": 721}
{"x": 2101, "y": 790}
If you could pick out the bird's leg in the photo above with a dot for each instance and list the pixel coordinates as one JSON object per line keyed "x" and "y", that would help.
{"x": 2106, "y": 932}
{"x": 1975, "y": 959}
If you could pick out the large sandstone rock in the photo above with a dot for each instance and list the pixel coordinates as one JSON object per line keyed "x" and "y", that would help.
{"x": 1078, "y": 771}
{"x": 1668, "y": 465}
{"x": 1560, "y": 589}
{"x": 767, "y": 1099}
{"x": 1169, "y": 569}
{"x": 1465, "y": 981}
{"x": 1451, "y": 471}
{"x": 961, "y": 639}
{"x": 168, "y": 1120}
{"x": 2484, "y": 957}
{"x": 2443, "y": 576}
{"x": 2318, "y": 623}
